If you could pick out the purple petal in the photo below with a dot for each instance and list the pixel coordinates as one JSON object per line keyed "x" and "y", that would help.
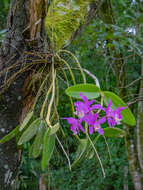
{"x": 109, "y": 121}
{"x": 102, "y": 120}
{"x": 78, "y": 130}
{"x": 91, "y": 102}
{"x": 75, "y": 125}
{"x": 81, "y": 107}
{"x": 91, "y": 129}
{"x": 71, "y": 120}
{"x": 85, "y": 99}
{"x": 89, "y": 119}
{"x": 100, "y": 131}
{"x": 81, "y": 128}
{"x": 119, "y": 115}
{"x": 109, "y": 105}
{"x": 97, "y": 106}
{"x": 96, "y": 116}
{"x": 73, "y": 129}
{"x": 78, "y": 103}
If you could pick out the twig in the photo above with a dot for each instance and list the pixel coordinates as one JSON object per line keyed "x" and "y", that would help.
{"x": 92, "y": 76}
{"x": 136, "y": 100}
{"x": 89, "y": 73}
{"x": 107, "y": 147}
{"x": 97, "y": 156}
{"x": 133, "y": 82}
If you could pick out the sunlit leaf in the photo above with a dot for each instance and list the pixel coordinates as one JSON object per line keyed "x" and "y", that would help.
{"x": 90, "y": 90}
{"x": 29, "y": 132}
{"x": 48, "y": 148}
{"x": 10, "y": 135}
{"x": 80, "y": 154}
{"x": 127, "y": 115}
{"x": 36, "y": 147}
{"x": 54, "y": 129}
{"x": 114, "y": 132}
{"x": 91, "y": 154}
{"x": 26, "y": 120}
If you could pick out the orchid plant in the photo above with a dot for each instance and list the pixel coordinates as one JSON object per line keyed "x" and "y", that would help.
{"x": 40, "y": 129}
{"x": 88, "y": 112}
{"x": 91, "y": 118}
{"x": 97, "y": 113}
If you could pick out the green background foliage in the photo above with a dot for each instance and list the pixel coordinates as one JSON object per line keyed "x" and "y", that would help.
{"x": 4, "y": 6}
{"x": 95, "y": 50}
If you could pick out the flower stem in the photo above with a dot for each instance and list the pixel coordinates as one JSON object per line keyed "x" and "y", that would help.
{"x": 96, "y": 155}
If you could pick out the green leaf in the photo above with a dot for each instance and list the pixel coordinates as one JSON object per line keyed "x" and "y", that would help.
{"x": 10, "y": 135}
{"x": 114, "y": 132}
{"x": 26, "y": 120}
{"x": 54, "y": 129}
{"x": 127, "y": 116}
{"x": 90, "y": 90}
{"x": 48, "y": 148}
{"x": 38, "y": 142}
{"x": 90, "y": 154}
{"x": 29, "y": 132}
{"x": 80, "y": 154}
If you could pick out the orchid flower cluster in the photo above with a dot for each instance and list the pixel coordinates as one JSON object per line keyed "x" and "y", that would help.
{"x": 88, "y": 112}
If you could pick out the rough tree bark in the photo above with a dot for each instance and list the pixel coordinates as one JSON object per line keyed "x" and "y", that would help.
{"x": 10, "y": 104}
{"x": 25, "y": 32}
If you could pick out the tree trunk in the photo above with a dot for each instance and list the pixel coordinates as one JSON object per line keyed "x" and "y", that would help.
{"x": 10, "y": 104}
{"x": 25, "y": 32}
{"x": 140, "y": 122}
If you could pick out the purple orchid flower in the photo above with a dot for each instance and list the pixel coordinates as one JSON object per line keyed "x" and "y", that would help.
{"x": 75, "y": 125}
{"x": 83, "y": 108}
{"x": 95, "y": 123}
{"x": 118, "y": 115}
{"x": 85, "y": 112}
{"x": 110, "y": 114}
{"x": 114, "y": 117}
